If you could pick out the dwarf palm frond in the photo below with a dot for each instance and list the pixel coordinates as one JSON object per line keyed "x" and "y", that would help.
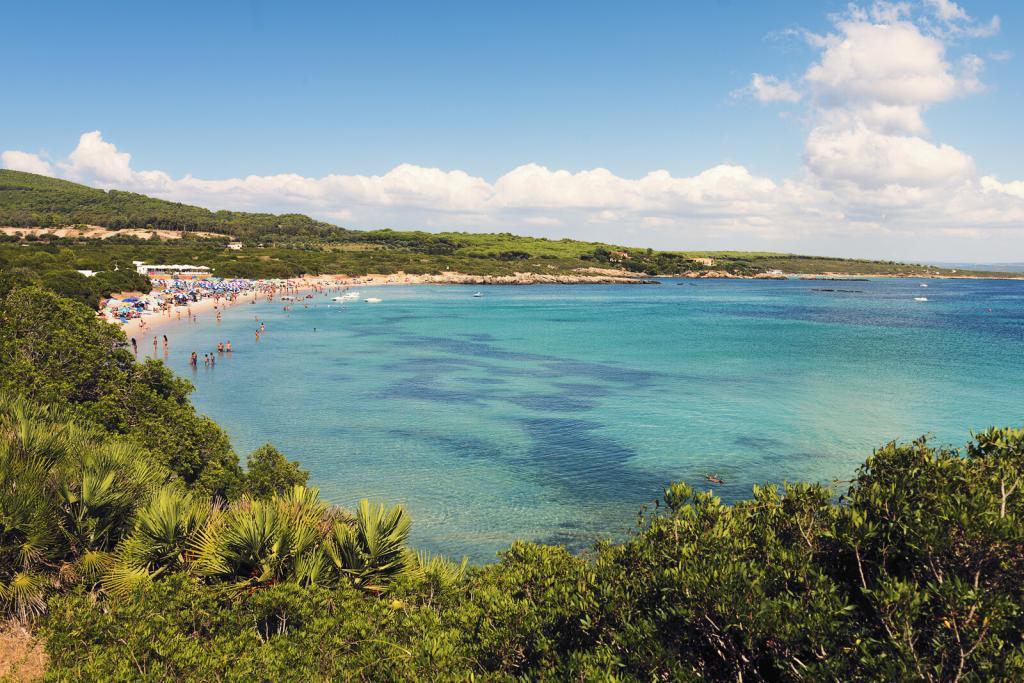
{"x": 102, "y": 484}
{"x": 24, "y": 594}
{"x": 68, "y": 494}
{"x": 164, "y": 529}
{"x": 264, "y": 541}
{"x": 371, "y": 550}
{"x": 439, "y": 572}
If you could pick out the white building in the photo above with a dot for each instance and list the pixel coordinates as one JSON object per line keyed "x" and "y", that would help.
{"x": 176, "y": 270}
{"x": 235, "y": 245}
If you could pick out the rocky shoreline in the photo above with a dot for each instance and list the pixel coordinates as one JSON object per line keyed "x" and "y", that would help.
{"x": 594, "y": 276}
{"x": 532, "y": 279}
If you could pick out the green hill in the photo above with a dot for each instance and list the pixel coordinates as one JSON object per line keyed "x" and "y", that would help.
{"x": 293, "y": 244}
{"x": 30, "y": 200}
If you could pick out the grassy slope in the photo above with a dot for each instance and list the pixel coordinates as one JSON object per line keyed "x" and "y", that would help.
{"x": 294, "y": 243}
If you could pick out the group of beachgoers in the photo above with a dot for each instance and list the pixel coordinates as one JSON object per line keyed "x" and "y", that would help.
{"x": 210, "y": 359}
{"x": 156, "y": 342}
{"x": 172, "y": 297}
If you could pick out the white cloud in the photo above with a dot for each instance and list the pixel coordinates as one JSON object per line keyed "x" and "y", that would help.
{"x": 887, "y": 63}
{"x": 1014, "y": 189}
{"x": 954, "y": 20}
{"x": 871, "y": 173}
{"x": 98, "y": 160}
{"x": 871, "y": 159}
{"x": 542, "y": 220}
{"x": 771, "y": 89}
{"x": 948, "y": 11}
{"x": 25, "y": 161}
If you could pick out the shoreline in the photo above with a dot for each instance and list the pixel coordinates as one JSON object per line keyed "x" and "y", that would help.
{"x": 155, "y": 321}
{"x": 207, "y": 306}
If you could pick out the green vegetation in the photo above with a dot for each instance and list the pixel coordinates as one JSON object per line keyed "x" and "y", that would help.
{"x": 132, "y": 541}
{"x": 56, "y": 352}
{"x": 30, "y": 200}
{"x": 293, "y": 245}
{"x": 271, "y": 473}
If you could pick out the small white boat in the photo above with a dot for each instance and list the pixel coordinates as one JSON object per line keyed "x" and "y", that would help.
{"x": 373, "y": 300}
{"x": 478, "y": 295}
{"x": 923, "y": 284}
{"x": 920, "y": 298}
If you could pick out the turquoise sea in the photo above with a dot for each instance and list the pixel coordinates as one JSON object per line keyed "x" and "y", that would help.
{"x": 553, "y": 413}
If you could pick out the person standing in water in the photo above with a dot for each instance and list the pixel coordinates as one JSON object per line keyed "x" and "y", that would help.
{"x": 227, "y": 347}
{"x": 154, "y": 345}
{"x": 135, "y": 346}
{"x": 193, "y": 360}
{"x": 165, "y": 342}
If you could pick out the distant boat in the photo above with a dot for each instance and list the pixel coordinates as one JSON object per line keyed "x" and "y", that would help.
{"x": 478, "y": 295}
{"x": 920, "y": 298}
{"x": 923, "y": 284}
{"x": 373, "y": 300}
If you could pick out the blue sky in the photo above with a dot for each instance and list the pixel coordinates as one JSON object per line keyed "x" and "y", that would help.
{"x": 219, "y": 91}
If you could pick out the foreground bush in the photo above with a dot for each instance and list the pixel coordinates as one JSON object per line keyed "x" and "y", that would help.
{"x": 56, "y": 352}
{"x": 916, "y": 573}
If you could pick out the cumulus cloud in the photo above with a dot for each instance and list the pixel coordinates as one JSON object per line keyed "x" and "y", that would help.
{"x": 96, "y": 159}
{"x": 890, "y": 63}
{"x": 25, "y": 161}
{"x": 871, "y": 171}
{"x": 871, "y": 159}
{"x": 877, "y": 74}
{"x": 771, "y": 89}
{"x": 954, "y": 20}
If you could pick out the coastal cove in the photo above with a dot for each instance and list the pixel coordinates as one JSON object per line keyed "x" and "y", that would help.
{"x": 553, "y": 412}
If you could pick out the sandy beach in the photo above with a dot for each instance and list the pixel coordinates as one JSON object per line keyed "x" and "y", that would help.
{"x": 207, "y": 308}
{"x": 204, "y": 309}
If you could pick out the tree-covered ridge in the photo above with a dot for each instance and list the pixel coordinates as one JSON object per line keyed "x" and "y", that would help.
{"x": 132, "y": 540}
{"x": 293, "y": 244}
{"x": 29, "y": 200}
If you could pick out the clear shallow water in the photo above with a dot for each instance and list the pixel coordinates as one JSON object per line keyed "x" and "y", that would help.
{"x": 553, "y": 413}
